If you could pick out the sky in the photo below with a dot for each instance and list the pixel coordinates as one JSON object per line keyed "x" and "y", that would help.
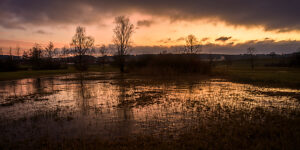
{"x": 221, "y": 26}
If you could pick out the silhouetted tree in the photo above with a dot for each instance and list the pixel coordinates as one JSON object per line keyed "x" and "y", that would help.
{"x": 192, "y": 45}
{"x": 1, "y": 52}
{"x": 56, "y": 52}
{"x": 10, "y": 54}
{"x": 18, "y": 50}
{"x": 122, "y": 35}
{"x": 251, "y": 51}
{"x": 103, "y": 50}
{"x": 25, "y": 55}
{"x": 36, "y": 56}
{"x": 49, "y": 50}
{"x": 65, "y": 54}
{"x": 81, "y": 44}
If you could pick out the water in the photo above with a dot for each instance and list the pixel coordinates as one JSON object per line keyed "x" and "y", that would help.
{"x": 109, "y": 105}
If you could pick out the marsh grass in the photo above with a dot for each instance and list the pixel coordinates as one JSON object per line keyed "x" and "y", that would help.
{"x": 39, "y": 73}
{"x": 256, "y": 128}
{"x": 240, "y": 71}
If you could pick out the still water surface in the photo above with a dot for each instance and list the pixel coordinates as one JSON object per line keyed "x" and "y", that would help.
{"x": 112, "y": 105}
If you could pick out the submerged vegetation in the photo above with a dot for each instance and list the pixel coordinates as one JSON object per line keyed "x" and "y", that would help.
{"x": 115, "y": 111}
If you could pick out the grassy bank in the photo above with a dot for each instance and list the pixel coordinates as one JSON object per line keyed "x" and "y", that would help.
{"x": 38, "y": 73}
{"x": 169, "y": 66}
{"x": 241, "y": 71}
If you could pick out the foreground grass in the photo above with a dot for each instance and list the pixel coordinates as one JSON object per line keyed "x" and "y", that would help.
{"x": 241, "y": 129}
{"x": 38, "y": 73}
{"x": 261, "y": 75}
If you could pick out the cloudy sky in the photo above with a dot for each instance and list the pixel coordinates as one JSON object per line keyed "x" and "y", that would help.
{"x": 222, "y": 26}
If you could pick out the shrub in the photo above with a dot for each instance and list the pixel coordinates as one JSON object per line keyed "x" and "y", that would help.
{"x": 8, "y": 65}
{"x": 168, "y": 64}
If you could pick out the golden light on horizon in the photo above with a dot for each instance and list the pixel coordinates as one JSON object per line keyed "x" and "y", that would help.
{"x": 161, "y": 32}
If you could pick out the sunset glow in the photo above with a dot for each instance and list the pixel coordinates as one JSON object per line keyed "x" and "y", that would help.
{"x": 151, "y": 29}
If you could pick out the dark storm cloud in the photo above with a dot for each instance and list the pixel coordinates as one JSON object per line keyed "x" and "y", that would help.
{"x": 279, "y": 15}
{"x": 165, "y": 41}
{"x": 204, "y": 39}
{"x": 180, "y": 39}
{"x": 262, "y": 47}
{"x": 41, "y": 32}
{"x": 223, "y": 38}
{"x": 145, "y": 23}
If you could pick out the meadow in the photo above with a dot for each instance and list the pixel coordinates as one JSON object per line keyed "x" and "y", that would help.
{"x": 240, "y": 71}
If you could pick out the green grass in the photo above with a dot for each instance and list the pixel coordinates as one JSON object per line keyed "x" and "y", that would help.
{"x": 38, "y": 73}
{"x": 274, "y": 76}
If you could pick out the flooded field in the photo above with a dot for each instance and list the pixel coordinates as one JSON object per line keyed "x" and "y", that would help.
{"x": 110, "y": 110}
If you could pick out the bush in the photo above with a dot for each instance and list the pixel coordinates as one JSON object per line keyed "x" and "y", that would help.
{"x": 295, "y": 60}
{"x": 8, "y": 65}
{"x": 44, "y": 64}
{"x": 168, "y": 64}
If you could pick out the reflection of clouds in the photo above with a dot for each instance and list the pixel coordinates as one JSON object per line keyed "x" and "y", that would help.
{"x": 121, "y": 106}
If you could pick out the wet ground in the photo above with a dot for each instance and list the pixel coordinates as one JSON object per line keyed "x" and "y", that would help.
{"x": 111, "y": 106}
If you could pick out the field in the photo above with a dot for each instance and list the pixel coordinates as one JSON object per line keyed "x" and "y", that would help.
{"x": 241, "y": 71}
{"x": 39, "y": 73}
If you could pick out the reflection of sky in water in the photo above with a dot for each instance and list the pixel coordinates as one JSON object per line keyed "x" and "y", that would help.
{"x": 113, "y": 105}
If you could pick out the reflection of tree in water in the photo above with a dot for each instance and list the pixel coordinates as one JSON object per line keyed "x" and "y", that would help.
{"x": 38, "y": 85}
{"x": 84, "y": 95}
{"x": 44, "y": 86}
{"x": 124, "y": 113}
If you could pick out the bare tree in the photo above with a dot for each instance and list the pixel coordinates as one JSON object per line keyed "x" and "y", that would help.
{"x": 81, "y": 44}
{"x": 251, "y": 51}
{"x": 25, "y": 55}
{"x": 36, "y": 56}
{"x": 10, "y": 53}
{"x": 49, "y": 50}
{"x": 122, "y": 36}
{"x": 192, "y": 45}
{"x": 1, "y": 52}
{"x": 65, "y": 53}
{"x": 103, "y": 50}
{"x": 18, "y": 50}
